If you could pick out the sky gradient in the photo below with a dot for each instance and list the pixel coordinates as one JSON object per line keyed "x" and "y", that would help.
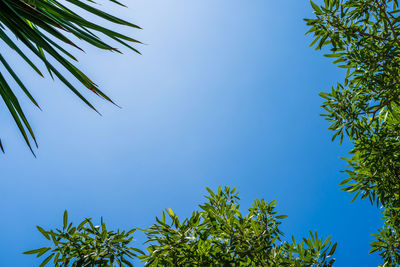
{"x": 225, "y": 93}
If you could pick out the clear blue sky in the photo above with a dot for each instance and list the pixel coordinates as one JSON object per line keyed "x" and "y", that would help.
{"x": 225, "y": 93}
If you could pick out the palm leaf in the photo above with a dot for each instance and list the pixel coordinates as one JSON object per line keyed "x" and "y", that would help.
{"x": 45, "y": 27}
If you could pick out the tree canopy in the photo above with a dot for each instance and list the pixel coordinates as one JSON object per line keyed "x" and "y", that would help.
{"x": 363, "y": 38}
{"x": 215, "y": 235}
{"x": 86, "y": 245}
{"x": 44, "y": 28}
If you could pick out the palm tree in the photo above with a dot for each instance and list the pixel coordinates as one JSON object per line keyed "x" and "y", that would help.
{"x": 44, "y": 27}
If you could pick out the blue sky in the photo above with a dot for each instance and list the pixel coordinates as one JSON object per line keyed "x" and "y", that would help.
{"x": 225, "y": 93}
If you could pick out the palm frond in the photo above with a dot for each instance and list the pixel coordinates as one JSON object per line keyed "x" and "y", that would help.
{"x": 44, "y": 27}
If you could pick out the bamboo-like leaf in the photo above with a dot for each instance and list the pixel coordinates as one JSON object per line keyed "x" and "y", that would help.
{"x": 44, "y": 27}
{"x": 1, "y": 146}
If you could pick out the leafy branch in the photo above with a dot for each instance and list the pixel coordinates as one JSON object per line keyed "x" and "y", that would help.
{"x": 44, "y": 27}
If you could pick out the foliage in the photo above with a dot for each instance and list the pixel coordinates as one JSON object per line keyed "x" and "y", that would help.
{"x": 363, "y": 37}
{"x": 44, "y": 27}
{"x": 217, "y": 235}
{"x": 86, "y": 245}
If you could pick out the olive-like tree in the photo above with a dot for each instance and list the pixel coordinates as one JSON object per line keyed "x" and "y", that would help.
{"x": 220, "y": 235}
{"x": 215, "y": 235}
{"x": 363, "y": 37}
{"x": 45, "y": 28}
{"x": 86, "y": 245}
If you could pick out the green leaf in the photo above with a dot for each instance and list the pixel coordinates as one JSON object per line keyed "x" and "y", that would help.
{"x": 316, "y": 7}
{"x": 333, "y": 249}
{"x": 65, "y": 220}
{"x": 46, "y": 260}
{"x": 35, "y": 251}
{"x": 44, "y": 233}
{"x": 127, "y": 262}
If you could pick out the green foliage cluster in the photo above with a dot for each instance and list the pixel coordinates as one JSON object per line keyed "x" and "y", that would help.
{"x": 217, "y": 235}
{"x": 86, "y": 245}
{"x": 45, "y": 28}
{"x": 364, "y": 39}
